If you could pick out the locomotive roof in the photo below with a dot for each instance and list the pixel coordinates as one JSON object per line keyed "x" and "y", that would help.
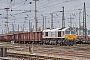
{"x": 60, "y": 29}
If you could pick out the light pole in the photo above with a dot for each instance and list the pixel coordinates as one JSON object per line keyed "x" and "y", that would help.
{"x": 18, "y": 28}
{"x": 7, "y": 30}
{"x": 13, "y": 27}
{"x": 29, "y": 26}
{"x": 75, "y": 25}
{"x": 70, "y": 21}
{"x": 51, "y": 20}
{"x": 79, "y": 21}
{"x": 43, "y": 22}
{"x": 84, "y": 22}
{"x": 35, "y": 16}
{"x": 63, "y": 19}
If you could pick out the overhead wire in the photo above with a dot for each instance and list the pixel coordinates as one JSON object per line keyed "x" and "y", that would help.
{"x": 44, "y": 6}
{"x": 53, "y": 4}
{"x": 70, "y": 10}
{"x": 19, "y": 3}
{"x": 46, "y": 3}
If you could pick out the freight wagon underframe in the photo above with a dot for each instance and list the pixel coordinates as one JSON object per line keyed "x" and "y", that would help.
{"x": 28, "y": 42}
{"x": 81, "y": 41}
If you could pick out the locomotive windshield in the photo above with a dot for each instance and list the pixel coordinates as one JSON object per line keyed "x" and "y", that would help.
{"x": 70, "y": 32}
{"x": 67, "y": 32}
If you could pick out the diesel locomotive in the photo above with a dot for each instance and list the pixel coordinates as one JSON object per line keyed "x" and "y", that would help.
{"x": 62, "y": 36}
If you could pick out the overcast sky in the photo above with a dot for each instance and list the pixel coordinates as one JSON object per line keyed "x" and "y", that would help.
{"x": 44, "y": 7}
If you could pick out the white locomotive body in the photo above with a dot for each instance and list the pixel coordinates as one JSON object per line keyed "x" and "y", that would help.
{"x": 55, "y": 36}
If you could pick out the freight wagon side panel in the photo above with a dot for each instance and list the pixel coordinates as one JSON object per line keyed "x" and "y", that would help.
{"x": 89, "y": 38}
{"x": 28, "y": 36}
{"x": 38, "y": 36}
{"x": 2, "y": 38}
{"x": 5, "y": 38}
{"x": 19, "y": 37}
{"x": 22, "y": 37}
{"x": 16, "y": 38}
{"x": 9, "y": 37}
{"x": 31, "y": 36}
{"x": 25, "y": 36}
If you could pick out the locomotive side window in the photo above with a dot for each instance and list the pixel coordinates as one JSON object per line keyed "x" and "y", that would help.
{"x": 63, "y": 32}
{"x": 59, "y": 34}
{"x": 46, "y": 33}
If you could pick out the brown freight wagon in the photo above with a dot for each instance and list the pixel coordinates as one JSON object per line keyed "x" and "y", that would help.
{"x": 83, "y": 39}
{"x": 8, "y": 37}
{"x": 16, "y": 37}
{"x": 1, "y": 37}
{"x": 28, "y": 37}
{"x": 23, "y": 37}
{"x": 34, "y": 37}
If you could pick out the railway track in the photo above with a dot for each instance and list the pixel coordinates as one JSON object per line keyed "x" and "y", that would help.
{"x": 82, "y": 52}
{"x": 34, "y": 57}
{"x": 52, "y": 52}
{"x": 77, "y": 52}
{"x": 44, "y": 56}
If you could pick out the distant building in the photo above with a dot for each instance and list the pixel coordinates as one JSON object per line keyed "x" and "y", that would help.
{"x": 88, "y": 32}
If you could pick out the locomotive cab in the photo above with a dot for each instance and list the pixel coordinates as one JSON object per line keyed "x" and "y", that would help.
{"x": 70, "y": 36}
